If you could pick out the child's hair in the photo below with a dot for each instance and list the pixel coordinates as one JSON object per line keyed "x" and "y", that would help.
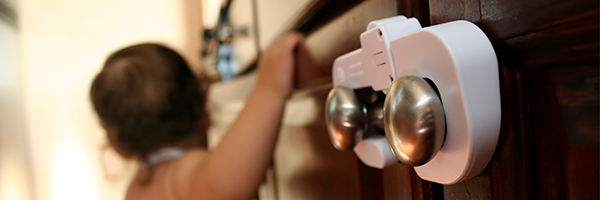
{"x": 147, "y": 98}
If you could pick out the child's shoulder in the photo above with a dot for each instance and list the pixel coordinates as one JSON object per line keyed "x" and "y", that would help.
{"x": 188, "y": 163}
{"x": 191, "y": 158}
{"x": 168, "y": 177}
{"x": 186, "y": 167}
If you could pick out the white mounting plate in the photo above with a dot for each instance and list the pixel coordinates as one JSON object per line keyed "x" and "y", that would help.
{"x": 460, "y": 60}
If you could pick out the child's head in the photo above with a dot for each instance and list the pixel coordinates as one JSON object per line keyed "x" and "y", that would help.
{"x": 147, "y": 98}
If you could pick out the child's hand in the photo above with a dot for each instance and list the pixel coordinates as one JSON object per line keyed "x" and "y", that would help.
{"x": 276, "y": 66}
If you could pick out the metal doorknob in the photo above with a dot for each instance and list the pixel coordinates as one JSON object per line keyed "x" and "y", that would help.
{"x": 345, "y": 117}
{"x": 414, "y": 120}
{"x": 348, "y": 119}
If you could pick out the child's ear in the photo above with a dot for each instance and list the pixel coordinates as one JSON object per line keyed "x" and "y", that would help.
{"x": 106, "y": 128}
{"x": 111, "y": 134}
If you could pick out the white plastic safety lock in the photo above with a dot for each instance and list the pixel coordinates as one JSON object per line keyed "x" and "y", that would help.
{"x": 442, "y": 109}
{"x": 358, "y": 68}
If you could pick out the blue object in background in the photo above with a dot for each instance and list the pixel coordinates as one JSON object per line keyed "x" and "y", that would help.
{"x": 227, "y": 63}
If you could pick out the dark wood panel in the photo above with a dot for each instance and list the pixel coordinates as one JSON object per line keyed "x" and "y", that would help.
{"x": 568, "y": 42}
{"x": 306, "y": 165}
{"x": 424, "y": 190}
{"x": 510, "y": 18}
{"x": 544, "y": 123}
{"x": 548, "y": 54}
{"x": 548, "y": 147}
{"x": 415, "y": 8}
{"x": 503, "y": 19}
{"x": 442, "y": 11}
{"x": 397, "y": 181}
{"x": 532, "y": 33}
{"x": 475, "y": 188}
{"x": 371, "y": 181}
{"x": 508, "y": 171}
{"x": 564, "y": 119}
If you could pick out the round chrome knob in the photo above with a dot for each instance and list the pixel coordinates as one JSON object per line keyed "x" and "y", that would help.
{"x": 345, "y": 118}
{"x": 414, "y": 120}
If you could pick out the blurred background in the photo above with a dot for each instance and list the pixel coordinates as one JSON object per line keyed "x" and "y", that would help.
{"x": 51, "y": 145}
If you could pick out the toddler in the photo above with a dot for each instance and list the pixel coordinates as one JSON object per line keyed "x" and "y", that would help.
{"x": 150, "y": 105}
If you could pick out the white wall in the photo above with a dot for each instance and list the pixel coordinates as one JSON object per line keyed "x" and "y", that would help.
{"x": 275, "y": 17}
{"x": 15, "y": 171}
{"x": 210, "y": 12}
{"x": 64, "y": 43}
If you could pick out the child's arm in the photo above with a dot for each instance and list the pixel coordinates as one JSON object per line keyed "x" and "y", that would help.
{"x": 235, "y": 169}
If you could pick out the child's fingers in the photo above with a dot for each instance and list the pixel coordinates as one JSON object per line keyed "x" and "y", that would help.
{"x": 291, "y": 40}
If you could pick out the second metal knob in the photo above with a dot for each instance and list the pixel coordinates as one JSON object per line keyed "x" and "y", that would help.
{"x": 414, "y": 120}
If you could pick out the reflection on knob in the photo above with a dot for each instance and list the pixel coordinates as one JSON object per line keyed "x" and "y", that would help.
{"x": 414, "y": 120}
{"x": 345, "y": 117}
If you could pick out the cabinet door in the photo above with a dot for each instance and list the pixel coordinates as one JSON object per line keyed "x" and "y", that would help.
{"x": 548, "y": 56}
{"x": 548, "y": 147}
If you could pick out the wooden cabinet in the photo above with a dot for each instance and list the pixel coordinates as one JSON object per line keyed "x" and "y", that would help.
{"x": 548, "y": 54}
